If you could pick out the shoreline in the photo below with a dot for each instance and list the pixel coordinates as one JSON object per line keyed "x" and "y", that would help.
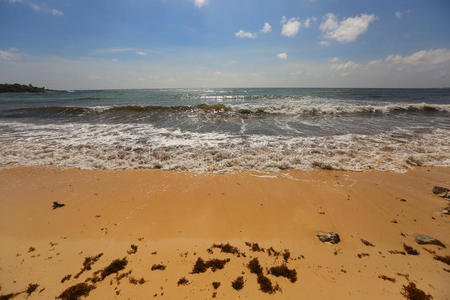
{"x": 177, "y": 214}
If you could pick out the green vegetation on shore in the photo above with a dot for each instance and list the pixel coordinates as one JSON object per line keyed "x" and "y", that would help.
{"x": 21, "y": 88}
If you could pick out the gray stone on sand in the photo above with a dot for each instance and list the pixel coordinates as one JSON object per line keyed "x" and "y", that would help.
{"x": 423, "y": 239}
{"x": 442, "y": 192}
{"x": 330, "y": 237}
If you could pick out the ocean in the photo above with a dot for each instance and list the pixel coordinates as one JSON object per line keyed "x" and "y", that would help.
{"x": 228, "y": 130}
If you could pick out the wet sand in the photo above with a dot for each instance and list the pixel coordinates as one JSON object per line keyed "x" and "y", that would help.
{"x": 174, "y": 218}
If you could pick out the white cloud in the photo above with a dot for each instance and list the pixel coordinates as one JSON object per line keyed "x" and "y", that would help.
{"x": 201, "y": 3}
{"x": 324, "y": 43}
{"x": 374, "y": 62}
{"x": 14, "y": 1}
{"x": 282, "y": 55}
{"x": 243, "y": 34}
{"x": 307, "y": 22}
{"x": 346, "y": 68}
{"x": 56, "y": 12}
{"x": 114, "y": 60}
{"x": 334, "y": 59}
{"x": 349, "y": 65}
{"x": 113, "y": 50}
{"x": 35, "y": 6}
{"x": 9, "y": 55}
{"x": 141, "y": 53}
{"x": 290, "y": 27}
{"x": 400, "y": 14}
{"x": 348, "y": 29}
{"x": 430, "y": 57}
{"x": 267, "y": 28}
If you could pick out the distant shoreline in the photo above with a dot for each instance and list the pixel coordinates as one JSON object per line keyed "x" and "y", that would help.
{"x": 21, "y": 88}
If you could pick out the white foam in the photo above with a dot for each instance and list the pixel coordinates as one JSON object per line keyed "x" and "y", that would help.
{"x": 130, "y": 146}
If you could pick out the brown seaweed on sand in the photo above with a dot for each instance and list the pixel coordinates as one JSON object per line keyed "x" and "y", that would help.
{"x": 367, "y": 243}
{"x": 133, "y": 249}
{"x": 444, "y": 259}
{"x": 216, "y": 285}
{"x": 265, "y": 285}
{"x": 114, "y": 267}
{"x": 76, "y": 291}
{"x": 254, "y": 247}
{"x": 411, "y": 292}
{"x": 31, "y": 288}
{"x": 254, "y": 266}
{"x": 384, "y": 277}
{"x": 87, "y": 264}
{"x": 284, "y": 271}
{"x": 182, "y": 281}
{"x": 227, "y": 248}
{"x": 214, "y": 264}
{"x": 158, "y": 267}
{"x": 238, "y": 283}
{"x": 136, "y": 281}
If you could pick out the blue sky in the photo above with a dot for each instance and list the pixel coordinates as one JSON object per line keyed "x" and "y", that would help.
{"x": 85, "y": 44}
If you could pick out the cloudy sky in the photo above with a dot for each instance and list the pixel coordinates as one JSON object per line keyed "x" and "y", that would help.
{"x": 95, "y": 44}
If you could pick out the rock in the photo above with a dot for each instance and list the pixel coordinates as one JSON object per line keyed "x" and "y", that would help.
{"x": 423, "y": 239}
{"x": 57, "y": 205}
{"x": 441, "y": 192}
{"x": 446, "y": 211}
{"x": 331, "y": 237}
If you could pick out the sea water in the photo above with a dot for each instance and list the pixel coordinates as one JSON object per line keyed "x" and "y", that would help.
{"x": 228, "y": 130}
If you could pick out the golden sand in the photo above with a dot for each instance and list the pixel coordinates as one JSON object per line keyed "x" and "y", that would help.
{"x": 174, "y": 218}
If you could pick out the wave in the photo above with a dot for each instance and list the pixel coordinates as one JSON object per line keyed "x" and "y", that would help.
{"x": 246, "y": 109}
{"x": 133, "y": 146}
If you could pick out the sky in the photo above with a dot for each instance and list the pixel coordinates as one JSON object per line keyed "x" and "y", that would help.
{"x": 115, "y": 44}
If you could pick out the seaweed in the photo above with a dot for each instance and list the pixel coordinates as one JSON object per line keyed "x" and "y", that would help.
{"x": 67, "y": 277}
{"x": 273, "y": 252}
{"x": 158, "y": 267}
{"x": 214, "y": 264}
{"x": 31, "y": 249}
{"x": 397, "y": 252}
{"x": 254, "y": 266}
{"x": 286, "y": 255}
{"x": 238, "y": 283}
{"x": 284, "y": 271}
{"x": 265, "y": 285}
{"x": 216, "y": 285}
{"x": 183, "y": 281}
{"x": 444, "y": 259}
{"x": 114, "y": 267}
{"x": 56, "y": 205}
{"x": 254, "y": 247}
{"x": 361, "y": 255}
{"x": 411, "y": 292}
{"x": 384, "y": 277}
{"x": 133, "y": 249}
{"x": 227, "y": 248}
{"x": 76, "y": 291}
{"x": 31, "y": 288}
{"x": 367, "y": 243}
{"x": 410, "y": 250}
{"x": 9, "y": 296}
{"x": 136, "y": 281}
{"x": 87, "y": 264}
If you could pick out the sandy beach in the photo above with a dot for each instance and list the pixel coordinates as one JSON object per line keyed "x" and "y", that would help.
{"x": 172, "y": 219}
